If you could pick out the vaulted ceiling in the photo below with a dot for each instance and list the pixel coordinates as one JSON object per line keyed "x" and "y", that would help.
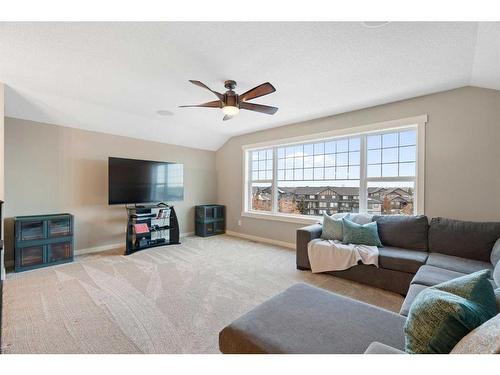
{"x": 115, "y": 77}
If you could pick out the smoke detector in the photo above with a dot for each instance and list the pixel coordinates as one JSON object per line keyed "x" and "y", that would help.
{"x": 375, "y": 24}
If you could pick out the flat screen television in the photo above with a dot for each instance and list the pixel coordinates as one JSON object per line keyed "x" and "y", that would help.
{"x": 144, "y": 181}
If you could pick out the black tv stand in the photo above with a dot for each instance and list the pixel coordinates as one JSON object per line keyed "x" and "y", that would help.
{"x": 151, "y": 225}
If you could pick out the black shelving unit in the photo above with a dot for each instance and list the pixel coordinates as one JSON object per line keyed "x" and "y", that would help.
{"x": 42, "y": 240}
{"x": 210, "y": 220}
{"x": 161, "y": 223}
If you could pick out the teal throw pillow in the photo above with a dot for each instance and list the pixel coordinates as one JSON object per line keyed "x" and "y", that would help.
{"x": 360, "y": 234}
{"x": 443, "y": 314}
{"x": 332, "y": 228}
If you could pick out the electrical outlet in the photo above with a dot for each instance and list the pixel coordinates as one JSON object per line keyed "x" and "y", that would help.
{"x": 239, "y": 223}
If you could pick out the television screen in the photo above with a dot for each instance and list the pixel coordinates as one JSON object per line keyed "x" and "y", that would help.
{"x": 144, "y": 181}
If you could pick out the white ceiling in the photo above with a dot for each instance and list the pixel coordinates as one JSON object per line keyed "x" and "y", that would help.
{"x": 114, "y": 77}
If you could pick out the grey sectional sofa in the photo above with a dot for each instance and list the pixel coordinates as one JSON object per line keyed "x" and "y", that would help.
{"x": 410, "y": 243}
{"x": 415, "y": 255}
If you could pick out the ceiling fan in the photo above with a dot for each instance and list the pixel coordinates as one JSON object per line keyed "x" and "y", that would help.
{"x": 231, "y": 103}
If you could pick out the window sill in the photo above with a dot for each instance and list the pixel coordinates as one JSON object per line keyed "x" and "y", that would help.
{"x": 299, "y": 219}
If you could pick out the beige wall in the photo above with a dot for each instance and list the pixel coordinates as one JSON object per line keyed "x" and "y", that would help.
{"x": 462, "y": 178}
{"x": 50, "y": 169}
{"x": 54, "y": 169}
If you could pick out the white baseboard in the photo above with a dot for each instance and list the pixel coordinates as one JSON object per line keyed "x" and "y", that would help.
{"x": 261, "y": 239}
{"x": 98, "y": 249}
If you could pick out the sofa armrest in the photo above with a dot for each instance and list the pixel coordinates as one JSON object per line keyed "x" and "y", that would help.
{"x": 379, "y": 348}
{"x": 304, "y": 235}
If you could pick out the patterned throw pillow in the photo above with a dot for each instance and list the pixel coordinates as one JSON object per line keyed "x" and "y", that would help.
{"x": 443, "y": 314}
{"x": 360, "y": 234}
{"x": 332, "y": 227}
{"x": 485, "y": 339}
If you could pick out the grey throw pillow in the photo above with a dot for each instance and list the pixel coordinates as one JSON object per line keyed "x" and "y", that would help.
{"x": 361, "y": 219}
{"x": 332, "y": 228}
{"x": 495, "y": 253}
{"x": 496, "y": 274}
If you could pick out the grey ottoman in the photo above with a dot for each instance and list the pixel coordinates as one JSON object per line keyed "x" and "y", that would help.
{"x": 306, "y": 319}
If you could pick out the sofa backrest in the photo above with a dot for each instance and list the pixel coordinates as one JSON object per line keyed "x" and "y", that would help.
{"x": 408, "y": 232}
{"x": 466, "y": 239}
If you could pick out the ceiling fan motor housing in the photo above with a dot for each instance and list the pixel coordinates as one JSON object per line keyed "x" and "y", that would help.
{"x": 230, "y": 84}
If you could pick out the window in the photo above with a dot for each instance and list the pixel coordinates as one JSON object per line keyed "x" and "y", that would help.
{"x": 373, "y": 171}
{"x": 391, "y": 172}
{"x": 262, "y": 176}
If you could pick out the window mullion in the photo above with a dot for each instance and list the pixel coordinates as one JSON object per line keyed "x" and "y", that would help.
{"x": 363, "y": 184}
{"x": 275, "y": 181}
{"x": 249, "y": 181}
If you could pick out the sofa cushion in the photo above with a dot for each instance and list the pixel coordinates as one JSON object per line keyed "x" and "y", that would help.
{"x": 306, "y": 319}
{"x": 465, "y": 239}
{"x": 430, "y": 275}
{"x": 397, "y": 259}
{"x": 443, "y": 314}
{"x": 414, "y": 290}
{"x": 408, "y": 232}
{"x": 457, "y": 264}
{"x": 482, "y": 340}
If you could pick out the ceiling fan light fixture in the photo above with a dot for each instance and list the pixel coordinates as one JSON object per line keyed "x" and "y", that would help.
{"x": 230, "y": 110}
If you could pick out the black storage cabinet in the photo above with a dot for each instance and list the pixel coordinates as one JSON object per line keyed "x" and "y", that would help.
{"x": 210, "y": 220}
{"x": 42, "y": 240}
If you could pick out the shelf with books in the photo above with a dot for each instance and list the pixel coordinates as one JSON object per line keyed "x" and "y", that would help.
{"x": 149, "y": 226}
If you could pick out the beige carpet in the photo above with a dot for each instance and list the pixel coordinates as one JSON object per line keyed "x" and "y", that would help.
{"x": 173, "y": 299}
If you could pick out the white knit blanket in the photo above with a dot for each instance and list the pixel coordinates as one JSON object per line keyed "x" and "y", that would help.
{"x": 327, "y": 255}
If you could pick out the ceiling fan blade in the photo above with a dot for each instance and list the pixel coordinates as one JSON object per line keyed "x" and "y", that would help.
{"x": 214, "y": 104}
{"x": 256, "y": 92}
{"x": 227, "y": 117}
{"x": 202, "y": 85}
{"x": 259, "y": 108}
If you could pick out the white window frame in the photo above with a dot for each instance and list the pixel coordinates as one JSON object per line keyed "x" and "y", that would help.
{"x": 416, "y": 122}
